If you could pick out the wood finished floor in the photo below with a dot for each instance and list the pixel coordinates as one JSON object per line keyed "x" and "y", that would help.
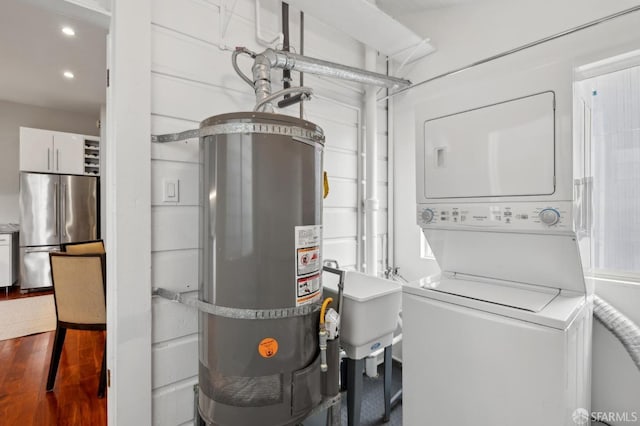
{"x": 24, "y": 364}
{"x": 15, "y": 293}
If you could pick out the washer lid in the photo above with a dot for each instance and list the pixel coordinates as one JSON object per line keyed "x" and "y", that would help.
{"x": 515, "y": 295}
{"x": 534, "y": 304}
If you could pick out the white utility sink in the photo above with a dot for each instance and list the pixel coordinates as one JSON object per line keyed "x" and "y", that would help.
{"x": 370, "y": 312}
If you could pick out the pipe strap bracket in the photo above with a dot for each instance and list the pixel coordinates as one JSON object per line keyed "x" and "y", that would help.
{"x": 241, "y": 128}
{"x": 236, "y": 313}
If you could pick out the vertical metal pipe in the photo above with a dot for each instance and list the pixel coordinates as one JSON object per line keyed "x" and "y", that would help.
{"x": 390, "y": 180}
{"x": 371, "y": 169}
{"x": 262, "y": 80}
{"x": 302, "y": 53}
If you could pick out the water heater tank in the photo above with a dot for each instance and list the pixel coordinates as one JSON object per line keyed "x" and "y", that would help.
{"x": 260, "y": 265}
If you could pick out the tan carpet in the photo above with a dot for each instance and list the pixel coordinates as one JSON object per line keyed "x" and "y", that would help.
{"x": 29, "y": 315}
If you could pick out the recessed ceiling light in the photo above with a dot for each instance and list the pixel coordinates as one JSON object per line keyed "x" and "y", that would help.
{"x": 68, "y": 74}
{"x": 68, "y": 31}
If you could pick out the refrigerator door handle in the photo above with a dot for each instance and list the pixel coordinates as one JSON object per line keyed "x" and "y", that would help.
{"x": 55, "y": 209}
{"x": 40, "y": 249}
{"x": 63, "y": 211}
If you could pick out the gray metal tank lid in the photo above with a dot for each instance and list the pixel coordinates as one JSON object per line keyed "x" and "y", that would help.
{"x": 253, "y": 117}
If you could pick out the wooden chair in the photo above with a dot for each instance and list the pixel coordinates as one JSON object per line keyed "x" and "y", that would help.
{"x": 88, "y": 247}
{"x": 79, "y": 294}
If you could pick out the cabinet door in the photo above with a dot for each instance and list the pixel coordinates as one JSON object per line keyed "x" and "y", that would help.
{"x": 36, "y": 150}
{"x": 5, "y": 260}
{"x": 68, "y": 153}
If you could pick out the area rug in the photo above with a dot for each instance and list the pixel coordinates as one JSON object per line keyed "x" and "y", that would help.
{"x": 29, "y": 315}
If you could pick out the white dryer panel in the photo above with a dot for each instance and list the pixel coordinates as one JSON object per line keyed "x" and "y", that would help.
{"x": 504, "y": 149}
{"x": 544, "y": 260}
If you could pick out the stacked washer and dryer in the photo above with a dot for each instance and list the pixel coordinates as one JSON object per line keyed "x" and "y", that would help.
{"x": 502, "y": 336}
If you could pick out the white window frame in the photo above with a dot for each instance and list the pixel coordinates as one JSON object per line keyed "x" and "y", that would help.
{"x": 585, "y": 72}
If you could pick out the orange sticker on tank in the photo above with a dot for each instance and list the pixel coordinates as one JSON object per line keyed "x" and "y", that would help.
{"x": 268, "y": 347}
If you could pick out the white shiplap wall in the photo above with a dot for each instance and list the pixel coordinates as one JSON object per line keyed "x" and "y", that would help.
{"x": 192, "y": 79}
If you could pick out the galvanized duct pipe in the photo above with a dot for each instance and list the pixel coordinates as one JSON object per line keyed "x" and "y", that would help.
{"x": 622, "y": 327}
{"x": 294, "y": 62}
{"x": 270, "y": 58}
{"x": 262, "y": 81}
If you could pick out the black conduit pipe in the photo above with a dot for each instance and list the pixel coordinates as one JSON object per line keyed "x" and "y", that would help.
{"x": 286, "y": 74}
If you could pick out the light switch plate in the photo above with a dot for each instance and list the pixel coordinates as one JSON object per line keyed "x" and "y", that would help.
{"x": 170, "y": 190}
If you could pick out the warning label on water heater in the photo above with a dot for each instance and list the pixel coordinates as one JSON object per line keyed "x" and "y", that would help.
{"x": 308, "y": 240}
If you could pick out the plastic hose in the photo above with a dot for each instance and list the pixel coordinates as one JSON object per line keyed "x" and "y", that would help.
{"x": 622, "y": 327}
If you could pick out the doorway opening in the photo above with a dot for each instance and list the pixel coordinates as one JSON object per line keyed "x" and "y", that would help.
{"x": 52, "y": 133}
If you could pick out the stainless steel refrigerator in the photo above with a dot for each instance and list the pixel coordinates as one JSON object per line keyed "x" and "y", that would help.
{"x": 54, "y": 210}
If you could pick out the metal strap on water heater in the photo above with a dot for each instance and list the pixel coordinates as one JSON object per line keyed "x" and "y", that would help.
{"x": 236, "y": 313}
{"x": 242, "y": 128}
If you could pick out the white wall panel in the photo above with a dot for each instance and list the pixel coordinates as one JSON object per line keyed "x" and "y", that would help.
{"x": 343, "y": 250}
{"x": 338, "y": 134}
{"x": 339, "y": 223}
{"x": 165, "y": 369}
{"x": 341, "y": 164}
{"x": 175, "y": 270}
{"x": 188, "y": 100}
{"x": 194, "y": 17}
{"x": 174, "y": 228}
{"x": 325, "y": 108}
{"x": 172, "y": 320}
{"x": 342, "y": 193}
{"x": 186, "y": 151}
{"x": 185, "y": 174}
{"x": 173, "y": 404}
{"x": 176, "y": 54}
{"x": 161, "y": 125}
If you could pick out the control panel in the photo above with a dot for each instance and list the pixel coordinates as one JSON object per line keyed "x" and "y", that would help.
{"x": 503, "y": 216}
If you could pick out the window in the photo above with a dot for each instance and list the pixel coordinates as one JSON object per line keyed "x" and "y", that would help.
{"x": 425, "y": 249}
{"x": 615, "y": 161}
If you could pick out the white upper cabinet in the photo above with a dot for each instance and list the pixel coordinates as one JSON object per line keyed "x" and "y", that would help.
{"x": 36, "y": 148}
{"x": 57, "y": 152}
{"x": 69, "y": 153}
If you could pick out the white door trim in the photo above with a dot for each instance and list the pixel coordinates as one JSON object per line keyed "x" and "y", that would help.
{"x": 128, "y": 213}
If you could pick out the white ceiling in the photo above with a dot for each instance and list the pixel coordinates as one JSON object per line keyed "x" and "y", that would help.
{"x": 402, "y": 7}
{"x": 34, "y": 53}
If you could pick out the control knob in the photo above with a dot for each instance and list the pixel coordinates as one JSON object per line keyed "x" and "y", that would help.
{"x": 427, "y": 215}
{"x": 549, "y": 216}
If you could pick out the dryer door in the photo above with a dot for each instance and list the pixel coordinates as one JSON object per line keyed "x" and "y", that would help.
{"x": 504, "y": 149}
